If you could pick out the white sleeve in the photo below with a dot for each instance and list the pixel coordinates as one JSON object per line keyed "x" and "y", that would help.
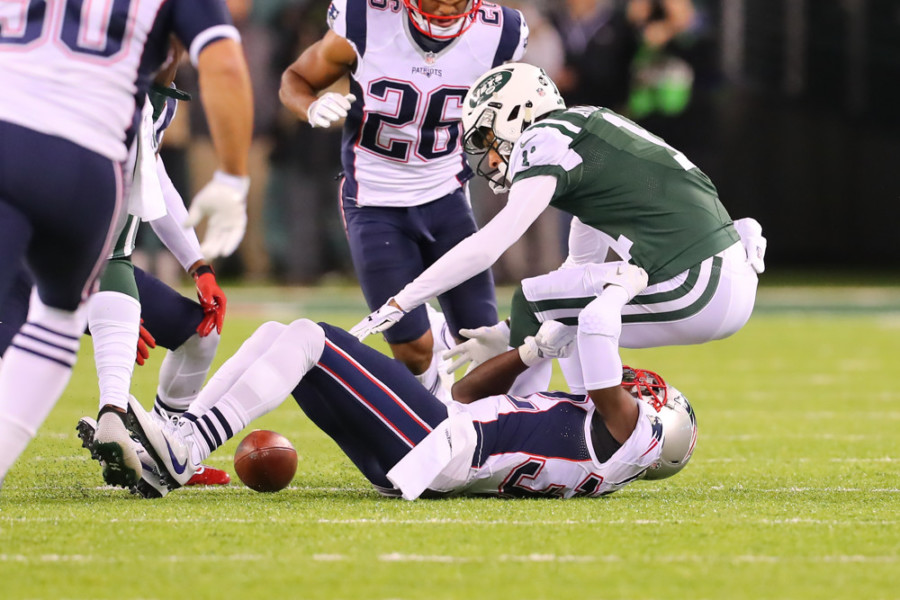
{"x": 527, "y": 200}
{"x": 586, "y": 244}
{"x": 181, "y": 241}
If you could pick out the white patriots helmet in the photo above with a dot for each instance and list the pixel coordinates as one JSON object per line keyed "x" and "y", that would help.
{"x": 504, "y": 102}
{"x": 442, "y": 27}
{"x": 675, "y": 414}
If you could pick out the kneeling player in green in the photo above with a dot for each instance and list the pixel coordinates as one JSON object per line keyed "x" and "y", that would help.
{"x": 654, "y": 257}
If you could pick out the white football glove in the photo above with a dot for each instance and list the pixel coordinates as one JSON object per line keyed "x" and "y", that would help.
{"x": 224, "y": 201}
{"x": 378, "y": 321}
{"x": 483, "y": 344}
{"x": 754, "y": 243}
{"x": 553, "y": 340}
{"x": 329, "y": 109}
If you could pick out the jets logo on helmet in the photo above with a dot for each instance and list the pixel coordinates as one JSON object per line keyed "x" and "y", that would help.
{"x": 488, "y": 87}
{"x": 499, "y": 107}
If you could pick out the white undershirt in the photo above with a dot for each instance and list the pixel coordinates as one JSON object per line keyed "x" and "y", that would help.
{"x": 527, "y": 200}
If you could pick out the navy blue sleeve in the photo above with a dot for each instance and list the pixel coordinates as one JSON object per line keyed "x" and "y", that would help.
{"x": 356, "y": 24}
{"x": 199, "y": 22}
{"x": 509, "y": 37}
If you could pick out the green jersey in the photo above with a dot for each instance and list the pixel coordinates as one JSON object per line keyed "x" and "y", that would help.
{"x": 659, "y": 211}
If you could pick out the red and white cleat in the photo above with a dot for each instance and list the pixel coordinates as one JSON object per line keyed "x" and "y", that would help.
{"x": 206, "y": 475}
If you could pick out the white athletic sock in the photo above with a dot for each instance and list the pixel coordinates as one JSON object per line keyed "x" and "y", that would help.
{"x": 114, "y": 319}
{"x": 440, "y": 331}
{"x": 183, "y": 372}
{"x": 262, "y": 386}
{"x": 36, "y": 370}
{"x": 432, "y": 381}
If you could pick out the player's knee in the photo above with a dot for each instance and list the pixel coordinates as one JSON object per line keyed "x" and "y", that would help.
{"x": 201, "y": 346}
{"x": 308, "y": 335}
{"x": 601, "y": 317}
{"x": 417, "y": 354}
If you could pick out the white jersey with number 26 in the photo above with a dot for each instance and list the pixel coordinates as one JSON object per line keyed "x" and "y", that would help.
{"x": 402, "y": 138}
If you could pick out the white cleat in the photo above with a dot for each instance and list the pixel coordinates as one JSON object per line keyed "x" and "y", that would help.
{"x": 166, "y": 444}
{"x": 116, "y": 450}
{"x": 150, "y": 484}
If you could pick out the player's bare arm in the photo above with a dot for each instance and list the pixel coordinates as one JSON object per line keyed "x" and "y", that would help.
{"x": 228, "y": 101}
{"x": 317, "y": 68}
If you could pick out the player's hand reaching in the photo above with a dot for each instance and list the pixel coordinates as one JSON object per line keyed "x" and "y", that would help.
{"x": 145, "y": 342}
{"x": 483, "y": 344}
{"x": 553, "y": 340}
{"x": 378, "y": 321}
{"x": 211, "y": 298}
{"x": 328, "y": 109}
{"x": 224, "y": 201}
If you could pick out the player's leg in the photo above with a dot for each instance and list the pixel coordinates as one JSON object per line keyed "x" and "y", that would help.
{"x": 711, "y": 301}
{"x": 14, "y": 308}
{"x": 65, "y": 222}
{"x": 173, "y": 319}
{"x": 114, "y": 314}
{"x": 386, "y": 255}
{"x": 253, "y": 382}
{"x": 473, "y": 303}
{"x": 370, "y": 405}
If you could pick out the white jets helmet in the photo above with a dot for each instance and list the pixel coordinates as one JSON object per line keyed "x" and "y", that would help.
{"x": 679, "y": 425}
{"x": 499, "y": 106}
{"x": 442, "y": 27}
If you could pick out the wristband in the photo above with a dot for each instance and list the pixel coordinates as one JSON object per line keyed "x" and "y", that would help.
{"x": 203, "y": 270}
{"x": 529, "y": 352}
{"x": 239, "y": 183}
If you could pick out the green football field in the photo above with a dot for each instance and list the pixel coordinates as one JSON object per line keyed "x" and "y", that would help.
{"x": 793, "y": 491}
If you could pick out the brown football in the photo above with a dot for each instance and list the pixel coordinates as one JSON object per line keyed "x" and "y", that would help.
{"x": 265, "y": 461}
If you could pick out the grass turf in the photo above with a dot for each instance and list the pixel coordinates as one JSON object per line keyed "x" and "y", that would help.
{"x": 792, "y": 493}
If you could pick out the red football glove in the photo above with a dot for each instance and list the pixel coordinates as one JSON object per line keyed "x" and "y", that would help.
{"x": 212, "y": 299}
{"x": 145, "y": 342}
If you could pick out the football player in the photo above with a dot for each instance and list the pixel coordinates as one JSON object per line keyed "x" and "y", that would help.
{"x": 654, "y": 258}
{"x": 61, "y": 224}
{"x": 404, "y": 194}
{"x": 127, "y": 296}
{"x": 408, "y": 443}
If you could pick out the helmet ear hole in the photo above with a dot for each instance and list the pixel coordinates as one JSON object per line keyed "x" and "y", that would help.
{"x": 513, "y": 114}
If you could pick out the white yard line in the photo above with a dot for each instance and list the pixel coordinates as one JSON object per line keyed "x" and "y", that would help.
{"x": 398, "y": 557}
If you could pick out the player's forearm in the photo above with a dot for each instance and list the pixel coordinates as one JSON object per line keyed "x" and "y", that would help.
{"x": 317, "y": 68}
{"x": 465, "y": 260}
{"x": 228, "y": 102}
{"x": 296, "y": 94}
{"x": 481, "y": 249}
{"x": 492, "y": 377}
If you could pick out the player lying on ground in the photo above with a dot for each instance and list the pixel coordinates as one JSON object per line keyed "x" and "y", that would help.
{"x": 654, "y": 258}
{"x": 408, "y": 443}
